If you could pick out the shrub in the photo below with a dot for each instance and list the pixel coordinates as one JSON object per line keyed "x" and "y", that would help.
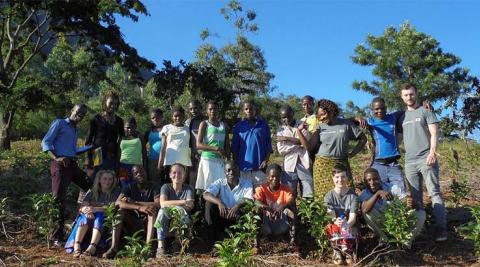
{"x": 135, "y": 252}
{"x": 46, "y": 214}
{"x": 314, "y": 215}
{"x": 460, "y": 190}
{"x": 399, "y": 221}
{"x": 471, "y": 230}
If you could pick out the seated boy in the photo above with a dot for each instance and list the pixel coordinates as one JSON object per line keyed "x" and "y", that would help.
{"x": 177, "y": 195}
{"x": 374, "y": 200}
{"x": 276, "y": 204}
{"x": 342, "y": 204}
{"x": 138, "y": 203}
{"x": 228, "y": 195}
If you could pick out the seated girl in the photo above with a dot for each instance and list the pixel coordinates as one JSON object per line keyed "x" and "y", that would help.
{"x": 92, "y": 214}
{"x": 342, "y": 205}
{"x": 177, "y": 195}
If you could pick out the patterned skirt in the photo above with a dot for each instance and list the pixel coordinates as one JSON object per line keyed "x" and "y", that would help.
{"x": 322, "y": 175}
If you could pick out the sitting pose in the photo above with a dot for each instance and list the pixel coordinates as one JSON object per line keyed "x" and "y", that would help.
{"x": 138, "y": 205}
{"x": 342, "y": 204}
{"x": 92, "y": 214}
{"x": 175, "y": 195}
{"x": 374, "y": 200}
{"x": 227, "y": 195}
{"x": 276, "y": 204}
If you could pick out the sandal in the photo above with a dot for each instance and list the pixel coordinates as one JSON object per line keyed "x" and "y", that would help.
{"x": 91, "y": 250}
{"x": 78, "y": 251}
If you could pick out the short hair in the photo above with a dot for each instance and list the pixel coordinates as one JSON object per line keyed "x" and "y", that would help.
{"x": 156, "y": 111}
{"x": 287, "y": 108}
{"x": 249, "y": 101}
{"x": 309, "y": 98}
{"x": 372, "y": 171}
{"x": 329, "y": 106}
{"x": 178, "y": 109}
{"x": 110, "y": 94}
{"x": 377, "y": 100}
{"x": 132, "y": 120}
{"x": 274, "y": 166}
{"x": 195, "y": 102}
{"x": 408, "y": 86}
{"x": 339, "y": 168}
{"x": 179, "y": 165}
{"x": 80, "y": 106}
{"x": 212, "y": 102}
{"x": 231, "y": 163}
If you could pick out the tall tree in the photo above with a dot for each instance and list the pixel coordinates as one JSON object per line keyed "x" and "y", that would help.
{"x": 407, "y": 55}
{"x": 30, "y": 28}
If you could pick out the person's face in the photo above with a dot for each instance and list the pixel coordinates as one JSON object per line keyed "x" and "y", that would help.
{"x": 138, "y": 174}
{"x": 156, "y": 119}
{"x": 409, "y": 97}
{"x": 340, "y": 180}
{"x": 373, "y": 182}
{"x": 231, "y": 173}
{"x": 322, "y": 115}
{"x": 194, "y": 109}
{"x": 212, "y": 112}
{"x": 274, "y": 178}
{"x": 106, "y": 181}
{"x": 249, "y": 110}
{"x": 177, "y": 174}
{"x": 307, "y": 106}
{"x": 77, "y": 114}
{"x": 379, "y": 110}
{"x": 129, "y": 128}
{"x": 111, "y": 105}
{"x": 177, "y": 118}
{"x": 287, "y": 117}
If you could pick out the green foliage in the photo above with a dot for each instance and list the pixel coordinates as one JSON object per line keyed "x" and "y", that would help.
{"x": 112, "y": 217}
{"x": 313, "y": 213}
{"x": 460, "y": 190}
{"x": 236, "y": 250}
{"x": 135, "y": 252}
{"x": 471, "y": 230}
{"x": 46, "y": 213}
{"x": 3, "y": 206}
{"x": 399, "y": 221}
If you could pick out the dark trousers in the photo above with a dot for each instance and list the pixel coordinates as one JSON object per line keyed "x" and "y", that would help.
{"x": 61, "y": 178}
{"x": 219, "y": 224}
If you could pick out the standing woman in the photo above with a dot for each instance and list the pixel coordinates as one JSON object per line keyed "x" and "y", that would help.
{"x": 154, "y": 139}
{"x": 105, "y": 133}
{"x": 132, "y": 152}
{"x": 212, "y": 140}
{"x": 333, "y": 134}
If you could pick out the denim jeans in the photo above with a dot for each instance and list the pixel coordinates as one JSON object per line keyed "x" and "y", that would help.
{"x": 391, "y": 176}
{"x": 418, "y": 172}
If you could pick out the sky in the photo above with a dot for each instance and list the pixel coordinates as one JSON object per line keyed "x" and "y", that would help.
{"x": 307, "y": 44}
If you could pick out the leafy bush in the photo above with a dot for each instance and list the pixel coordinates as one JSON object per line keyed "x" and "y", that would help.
{"x": 237, "y": 250}
{"x": 135, "y": 252}
{"x": 399, "y": 221}
{"x": 471, "y": 230}
{"x": 313, "y": 213}
{"x": 112, "y": 217}
{"x": 46, "y": 214}
{"x": 460, "y": 190}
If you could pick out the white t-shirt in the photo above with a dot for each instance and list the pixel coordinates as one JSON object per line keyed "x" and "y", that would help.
{"x": 178, "y": 145}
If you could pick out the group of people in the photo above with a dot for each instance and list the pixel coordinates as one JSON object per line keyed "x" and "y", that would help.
{"x": 191, "y": 164}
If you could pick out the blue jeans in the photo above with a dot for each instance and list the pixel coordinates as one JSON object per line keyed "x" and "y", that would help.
{"x": 392, "y": 178}
{"x": 163, "y": 222}
{"x": 306, "y": 180}
{"x": 418, "y": 172}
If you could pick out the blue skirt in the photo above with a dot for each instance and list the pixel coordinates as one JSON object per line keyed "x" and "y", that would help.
{"x": 96, "y": 223}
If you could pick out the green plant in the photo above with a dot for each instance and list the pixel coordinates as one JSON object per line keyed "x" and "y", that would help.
{"x": 460, "y": 190}
{"x": 399, "y": 221}
{"x": 471, "y": 230}
{"x": 237, "y": 250}
{"x": 312, "y": 212}
{"x": 46, "y": 214}
{"x": 135, "y": 252}
{"x": 112, "y": 217}
{"x": 3, "y": 206}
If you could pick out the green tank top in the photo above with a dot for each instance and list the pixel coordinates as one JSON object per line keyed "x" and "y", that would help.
{"x": 214, "y": 136}
{"x": 131, "y": 151}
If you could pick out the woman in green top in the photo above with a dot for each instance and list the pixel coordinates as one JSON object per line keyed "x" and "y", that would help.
{"x": 132, "y": 152}
{"x": 331, "y": 137}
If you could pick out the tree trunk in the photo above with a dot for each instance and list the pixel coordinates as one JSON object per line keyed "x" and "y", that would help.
{"x": 6, "y": 119}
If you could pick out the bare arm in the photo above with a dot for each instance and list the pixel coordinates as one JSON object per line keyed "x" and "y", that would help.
{"x": 352, "y": 219}
{"x": 368, "y": 205}
{"x": 186, "y": 204}
{"x": 362, "y": 140}
{"x": 161, "y": 159}
{"x": 432, "y": 158}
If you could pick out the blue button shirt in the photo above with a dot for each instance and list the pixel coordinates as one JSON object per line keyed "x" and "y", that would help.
{"x": 251, "y": 144}
{"x": 61, "y": 138}
{"x": 385, "y": 134}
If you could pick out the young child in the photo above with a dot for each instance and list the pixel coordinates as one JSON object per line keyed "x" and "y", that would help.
{"x": 342, "y": 205}
{"x": 177, "y": 195}
{"x": 154, "y": 139}
{"x": 175, "y": 141}
{"x": 92, "y": 214}
{"x": 132, "y": 151}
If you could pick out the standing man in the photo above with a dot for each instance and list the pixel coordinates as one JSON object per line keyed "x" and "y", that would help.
{"x": 61, "y": 144}
{"x": 251, "y": 145}
{"x": 420, "y": 136}
{"x": 193, "y": 123}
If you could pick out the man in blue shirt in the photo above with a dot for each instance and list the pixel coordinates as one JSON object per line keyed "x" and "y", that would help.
{"x": 251, "y": 145}
{"x": 61, "y": 144}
